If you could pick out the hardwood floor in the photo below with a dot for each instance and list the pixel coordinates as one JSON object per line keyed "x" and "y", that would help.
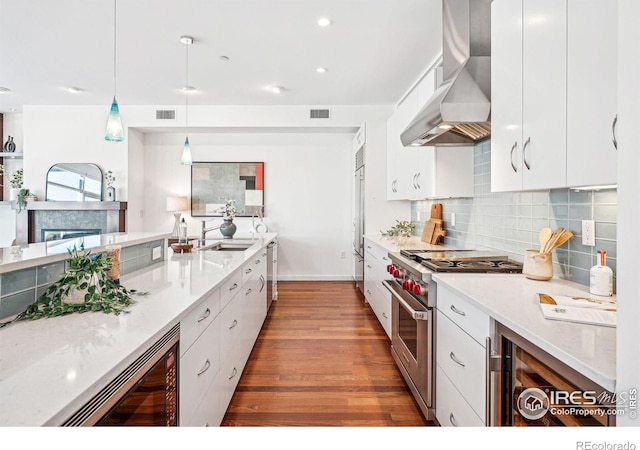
{"x": 321, "y": 359}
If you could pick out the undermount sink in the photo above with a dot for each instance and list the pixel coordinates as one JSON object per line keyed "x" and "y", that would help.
{"x": 236, "y": 246}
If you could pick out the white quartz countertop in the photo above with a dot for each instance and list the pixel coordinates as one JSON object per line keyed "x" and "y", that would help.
{"x": 512, "y": 300}
{"x": 397, "y": 244}
{"x": 50, "y": 367}
{"x": 23, "y": 256}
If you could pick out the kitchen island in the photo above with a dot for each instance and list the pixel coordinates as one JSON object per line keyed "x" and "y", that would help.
{"x": 49, "y": 368}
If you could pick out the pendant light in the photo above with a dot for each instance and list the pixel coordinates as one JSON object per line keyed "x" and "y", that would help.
{"x": 114, "y": 131}
{"x": 186, "y": 159}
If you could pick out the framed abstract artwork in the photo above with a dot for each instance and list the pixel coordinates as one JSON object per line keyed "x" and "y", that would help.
{"x": 213, "y": 183}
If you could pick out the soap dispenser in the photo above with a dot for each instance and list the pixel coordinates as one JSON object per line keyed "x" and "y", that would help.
{"x": 182, "y": 234}
{"x": 601, "y": 277}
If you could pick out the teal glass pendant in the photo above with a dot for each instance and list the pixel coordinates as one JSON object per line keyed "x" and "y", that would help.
{"x": 186, "y": 153}
{"x": 114, "y": 131}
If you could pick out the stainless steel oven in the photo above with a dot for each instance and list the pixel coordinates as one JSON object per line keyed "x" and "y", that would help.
{"x": 412, "y": 334}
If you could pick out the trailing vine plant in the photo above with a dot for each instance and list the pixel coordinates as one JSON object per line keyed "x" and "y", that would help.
{"x": 87, "y": 276}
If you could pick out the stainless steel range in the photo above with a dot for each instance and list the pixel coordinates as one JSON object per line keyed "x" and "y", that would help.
{"x": 413, "y": 300}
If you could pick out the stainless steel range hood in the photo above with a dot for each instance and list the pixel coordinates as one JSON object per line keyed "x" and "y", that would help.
{"x": 459, "y": 112}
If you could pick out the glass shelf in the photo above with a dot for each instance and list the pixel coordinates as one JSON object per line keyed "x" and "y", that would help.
{"x": 11, "y": 155}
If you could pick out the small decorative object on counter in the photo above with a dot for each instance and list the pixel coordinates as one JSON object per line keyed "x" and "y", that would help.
{"x": 113, "y": 254}
{"x": 21, "y": 198}
{"x": 400, "y": 229}
{"x": 601, "y": 277}
{"x": 228, "y": 228}
{"x": 182, "y": 234}
{"x": 111, "y": 191}
{"x": 537, "y": 266}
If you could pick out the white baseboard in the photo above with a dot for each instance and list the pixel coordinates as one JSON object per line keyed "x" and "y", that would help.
{"x": 315, "y": 278}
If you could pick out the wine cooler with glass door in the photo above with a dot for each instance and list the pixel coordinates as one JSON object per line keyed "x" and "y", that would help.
{"x": 534, "y": 388}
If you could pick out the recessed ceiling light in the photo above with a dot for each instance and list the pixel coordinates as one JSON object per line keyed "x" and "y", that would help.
{"x": 74, "y": 90}
{"x": 277, "y": 89}
{"x": 321, "y": 70}
{"x": 12, "y": 110}
{"x": 224, "y": 58}
{"x": 4, "y": 90}
{"x": 188, "y": 89}
{"x": 324, "y": 22}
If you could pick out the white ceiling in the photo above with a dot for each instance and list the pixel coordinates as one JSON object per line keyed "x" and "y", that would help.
{"x": 374, "y": 50}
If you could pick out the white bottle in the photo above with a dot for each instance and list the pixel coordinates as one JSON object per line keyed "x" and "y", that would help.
{"x": 182, "y": 236}
{"x": 601, "y": 277}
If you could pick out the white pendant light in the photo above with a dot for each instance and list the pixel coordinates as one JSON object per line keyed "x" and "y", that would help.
{"x": 114, "y": 131}
{"x": 186, "y": 159}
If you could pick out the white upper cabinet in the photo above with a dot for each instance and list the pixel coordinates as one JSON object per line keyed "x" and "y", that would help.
{"x": 399, "y": 158}
{"x": 591, "y": 92}
{"x": 553, "y": 93}
{"x": 528, "y": 114}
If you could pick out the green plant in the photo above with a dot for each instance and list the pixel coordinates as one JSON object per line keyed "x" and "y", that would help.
{"x": 22, "y": 199}
{"x": 16, "y": 179}
{"x": 87, "y": 275}
{"x": 400, "y": 229}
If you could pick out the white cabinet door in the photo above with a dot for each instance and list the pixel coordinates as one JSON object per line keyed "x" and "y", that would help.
{"x": 591, "y": 92}
{"x": 544, "y": 74}
{"x": 529, "y": 94}
{"x": 506, "y": 95}
{"x": 400, "y": 159}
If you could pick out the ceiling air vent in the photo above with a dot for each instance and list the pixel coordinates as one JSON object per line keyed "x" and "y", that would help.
{"x": 319, "y": 114}
{"x": 165, "y": 114}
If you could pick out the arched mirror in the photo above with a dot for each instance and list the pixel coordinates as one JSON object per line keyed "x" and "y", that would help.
{"x": 74, "y": 182}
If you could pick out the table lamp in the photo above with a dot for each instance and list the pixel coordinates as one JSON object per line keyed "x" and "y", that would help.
{"x": 176, "y": 205}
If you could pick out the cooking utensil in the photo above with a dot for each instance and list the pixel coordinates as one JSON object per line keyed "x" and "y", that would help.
{"x": 563, "y": 237}
{"x": 551, "y": 240}
{"x": 544, "y": 236}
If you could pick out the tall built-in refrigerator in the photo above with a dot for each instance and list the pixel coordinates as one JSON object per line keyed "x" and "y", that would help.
{"x": 358, "y": 221}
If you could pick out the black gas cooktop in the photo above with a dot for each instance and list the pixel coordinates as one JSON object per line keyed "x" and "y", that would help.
{"x": 463, "y": 261}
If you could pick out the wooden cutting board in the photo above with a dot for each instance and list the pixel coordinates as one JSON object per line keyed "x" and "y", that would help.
{"x": 436, "y": 211}
{"x": 433, "y": 227}
{"x": 427, "y": 231}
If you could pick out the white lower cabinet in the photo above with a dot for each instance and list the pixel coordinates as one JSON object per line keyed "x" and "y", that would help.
{"x": 375, "y": 272}
{"x": 461, "y": 354}
{"x": 219, "y": 335}
{"x": 452, "y": 410}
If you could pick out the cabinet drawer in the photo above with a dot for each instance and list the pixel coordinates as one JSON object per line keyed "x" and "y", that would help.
{"x": 379, "y": 253}
{"x": 451, "y": 408}
{"x": 230, "y": 287}
{"x": 208, "y": 413}
{"x": 255, "y": 267}
{"x": 198, "y": 320}
{"x": 468, "y": 317}
{"x": 231, "y": 319}
{"x": 463, "y": 360}
{"x": 198, "y": 368}
{"x": 230, "y": 374}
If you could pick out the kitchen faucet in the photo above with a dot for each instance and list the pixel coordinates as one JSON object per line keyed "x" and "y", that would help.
{"x": 204, "y": 231}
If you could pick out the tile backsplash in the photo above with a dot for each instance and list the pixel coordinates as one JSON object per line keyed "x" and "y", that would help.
{"x": 509, "y": 222}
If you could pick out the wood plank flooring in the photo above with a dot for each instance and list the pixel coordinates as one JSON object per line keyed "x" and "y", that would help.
{"x": 321, "y": 359}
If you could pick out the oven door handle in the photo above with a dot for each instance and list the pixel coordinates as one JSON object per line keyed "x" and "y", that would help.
{"x": 416, "y": 315}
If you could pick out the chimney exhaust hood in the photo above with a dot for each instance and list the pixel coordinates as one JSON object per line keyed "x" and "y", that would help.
{"x": 459, "y": 111}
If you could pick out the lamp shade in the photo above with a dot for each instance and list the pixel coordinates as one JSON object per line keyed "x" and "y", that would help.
{"x": 177, "y": 204}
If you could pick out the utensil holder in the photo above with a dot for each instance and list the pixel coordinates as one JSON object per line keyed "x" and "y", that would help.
{"x": 537, "y": 266}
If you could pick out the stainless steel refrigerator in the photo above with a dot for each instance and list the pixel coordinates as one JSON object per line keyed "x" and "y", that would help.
{"x": 358, "y": 221}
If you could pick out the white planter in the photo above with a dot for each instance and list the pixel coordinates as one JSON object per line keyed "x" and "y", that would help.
{"x": 13, "y": 194}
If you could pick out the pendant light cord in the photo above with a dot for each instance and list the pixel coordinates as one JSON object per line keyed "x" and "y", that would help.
{"x": 186, "y": 86}
{"x": 114, "y": 46}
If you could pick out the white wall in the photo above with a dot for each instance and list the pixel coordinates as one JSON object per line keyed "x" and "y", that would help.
{"x": 56, "y": 134}
{"x": 307, "y": 179}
